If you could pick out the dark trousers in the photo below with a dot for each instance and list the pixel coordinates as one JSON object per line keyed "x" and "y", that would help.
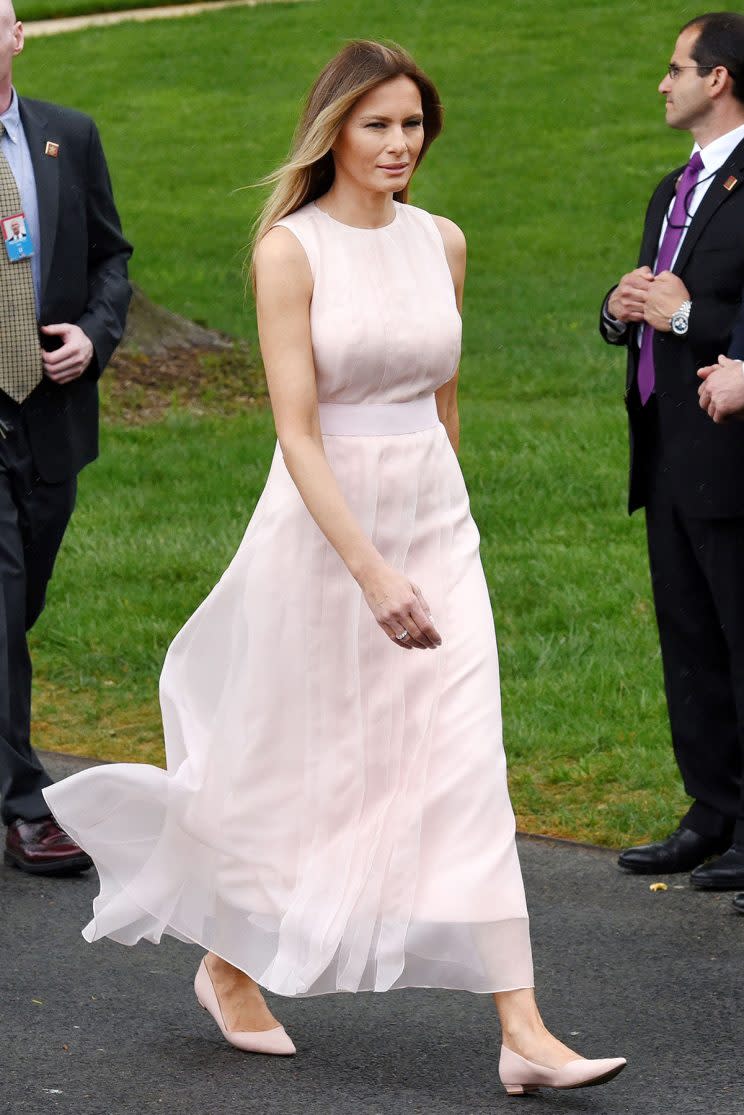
{"x": 697, "y": 575}
{"x": 33, "y": 518}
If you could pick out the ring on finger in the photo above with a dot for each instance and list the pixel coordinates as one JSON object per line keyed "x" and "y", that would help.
{"x": 403, "y": 635}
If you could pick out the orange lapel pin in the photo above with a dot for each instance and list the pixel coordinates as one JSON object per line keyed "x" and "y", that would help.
{"x": 730, "y": 183}
{"x": 51, "y": 149}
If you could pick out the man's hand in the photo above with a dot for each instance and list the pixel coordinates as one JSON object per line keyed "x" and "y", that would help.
{"x": 722, "y": 390}
{"x": 72, "y": 358}
{"x": 628, "y": 301}
{"x": 665, "y": 296}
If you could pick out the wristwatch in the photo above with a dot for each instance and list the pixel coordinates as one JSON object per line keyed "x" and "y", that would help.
{"x": 680, "y": 319}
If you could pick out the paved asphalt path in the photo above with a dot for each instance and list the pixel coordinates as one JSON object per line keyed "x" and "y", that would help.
{"x": 106, "y": 1030}
{"x": 37, "y": 28}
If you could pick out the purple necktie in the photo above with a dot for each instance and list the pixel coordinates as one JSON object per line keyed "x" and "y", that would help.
{"x": 672, "y": 236}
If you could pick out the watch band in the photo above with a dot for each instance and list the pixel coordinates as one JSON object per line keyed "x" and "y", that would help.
{"x": 680, "y": 319}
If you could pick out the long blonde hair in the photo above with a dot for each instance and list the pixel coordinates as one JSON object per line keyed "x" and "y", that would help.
{"x": 353, "y": 72}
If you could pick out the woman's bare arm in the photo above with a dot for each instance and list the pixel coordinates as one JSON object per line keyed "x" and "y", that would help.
{"x": 456, "y": 251}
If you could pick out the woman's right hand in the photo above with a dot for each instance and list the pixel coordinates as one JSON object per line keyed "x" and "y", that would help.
{"x": 399, "y": 607}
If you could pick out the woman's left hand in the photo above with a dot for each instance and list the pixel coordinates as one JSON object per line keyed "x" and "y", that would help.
{"x": 399, "y": 607}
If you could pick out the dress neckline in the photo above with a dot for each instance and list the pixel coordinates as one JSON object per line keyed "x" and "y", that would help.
{"x": 360, "y": 228}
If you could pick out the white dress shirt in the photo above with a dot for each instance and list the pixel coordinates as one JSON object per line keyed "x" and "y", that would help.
{"x": 713, "y": 156}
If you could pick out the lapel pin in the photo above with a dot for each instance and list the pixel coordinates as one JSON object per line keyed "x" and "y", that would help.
{"x": 730, "y": 183}
{"x": 51, "y": 149}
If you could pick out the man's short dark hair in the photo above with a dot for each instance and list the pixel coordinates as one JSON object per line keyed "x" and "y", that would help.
{"x": 721, "y": 43}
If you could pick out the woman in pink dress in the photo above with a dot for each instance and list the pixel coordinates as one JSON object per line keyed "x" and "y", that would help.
{"x": 335, "y": 813}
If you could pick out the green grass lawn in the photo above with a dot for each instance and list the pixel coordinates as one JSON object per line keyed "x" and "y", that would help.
{"x": 554, "y": 139}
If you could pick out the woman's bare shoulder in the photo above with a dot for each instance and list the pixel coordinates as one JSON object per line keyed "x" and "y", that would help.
{"x": 279, "y": 247}
{"x": 452, "y": 235}
{"x": 279, "y": 257}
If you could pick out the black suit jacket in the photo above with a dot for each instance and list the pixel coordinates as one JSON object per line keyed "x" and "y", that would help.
{"x": 704, "y": 460}
{"x": 83, "y": 280}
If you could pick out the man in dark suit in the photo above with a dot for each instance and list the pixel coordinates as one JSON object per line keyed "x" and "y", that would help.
{"x": 62, "y": 313}
{"x": 677, "y": 311}
{"x": 722, "y": 391}
{"x": 722, "y": 398}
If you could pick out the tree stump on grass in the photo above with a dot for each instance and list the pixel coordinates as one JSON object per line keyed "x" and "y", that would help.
{"x": 166, "y": 362}
{"x": 152, "y": 330}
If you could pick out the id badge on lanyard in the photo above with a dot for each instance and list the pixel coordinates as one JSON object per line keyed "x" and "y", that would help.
{"x": 17, "y": 237}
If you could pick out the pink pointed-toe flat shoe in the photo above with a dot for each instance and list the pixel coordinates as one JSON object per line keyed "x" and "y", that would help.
{"x": 520, "y": 1076}
{"x": 276, "y": 1041}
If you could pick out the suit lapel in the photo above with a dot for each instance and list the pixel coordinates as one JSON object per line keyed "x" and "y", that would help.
{"x": 656, "y": 210}
{"x": 46, "y": 173}
{"x": 714, "y": 198}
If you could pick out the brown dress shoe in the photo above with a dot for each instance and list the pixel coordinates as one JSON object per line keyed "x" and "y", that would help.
{"x": 43, "y": 848}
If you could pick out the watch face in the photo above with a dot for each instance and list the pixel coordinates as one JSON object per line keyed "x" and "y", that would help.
{"x": 679, "y": 324}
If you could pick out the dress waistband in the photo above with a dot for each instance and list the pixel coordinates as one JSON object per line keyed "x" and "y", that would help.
{"x": 375, "y": 419}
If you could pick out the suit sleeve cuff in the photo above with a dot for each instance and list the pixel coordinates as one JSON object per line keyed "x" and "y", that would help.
{"x": 612, "y": 323}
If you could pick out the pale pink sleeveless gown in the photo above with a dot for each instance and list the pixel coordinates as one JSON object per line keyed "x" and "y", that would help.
{"x": 335, "y": 814}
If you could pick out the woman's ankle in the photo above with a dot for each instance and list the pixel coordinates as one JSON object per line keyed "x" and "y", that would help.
{"x": 515, "y": 1034}
{"x": 217, "y": 966}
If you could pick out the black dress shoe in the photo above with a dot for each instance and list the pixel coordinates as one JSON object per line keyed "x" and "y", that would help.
{"x": 43, "y": 848}
{"x": 725, "y": 873}
{"x": 681, "y": 851}
{"x": 738, "y": 903}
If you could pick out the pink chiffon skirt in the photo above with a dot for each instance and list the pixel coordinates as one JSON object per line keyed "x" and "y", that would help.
{"x": 335, "y": 813}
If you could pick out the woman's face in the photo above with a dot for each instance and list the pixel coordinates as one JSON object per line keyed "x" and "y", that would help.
{"x": 381, "y": 139}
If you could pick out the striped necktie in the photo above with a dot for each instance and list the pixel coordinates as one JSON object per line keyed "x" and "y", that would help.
{"x": 20, "y": 352}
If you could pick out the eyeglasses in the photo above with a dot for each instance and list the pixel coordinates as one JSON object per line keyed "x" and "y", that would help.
{"x": 674, "y": 70}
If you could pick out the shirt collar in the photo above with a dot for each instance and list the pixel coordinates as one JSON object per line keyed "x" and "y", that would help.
{"x": 714, "y": 155}
{"x": 11, "y": 119}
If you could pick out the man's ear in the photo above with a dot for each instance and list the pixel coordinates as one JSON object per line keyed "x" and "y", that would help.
{"x": 721, "y": 79}
{"x": 19, "y": 38}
